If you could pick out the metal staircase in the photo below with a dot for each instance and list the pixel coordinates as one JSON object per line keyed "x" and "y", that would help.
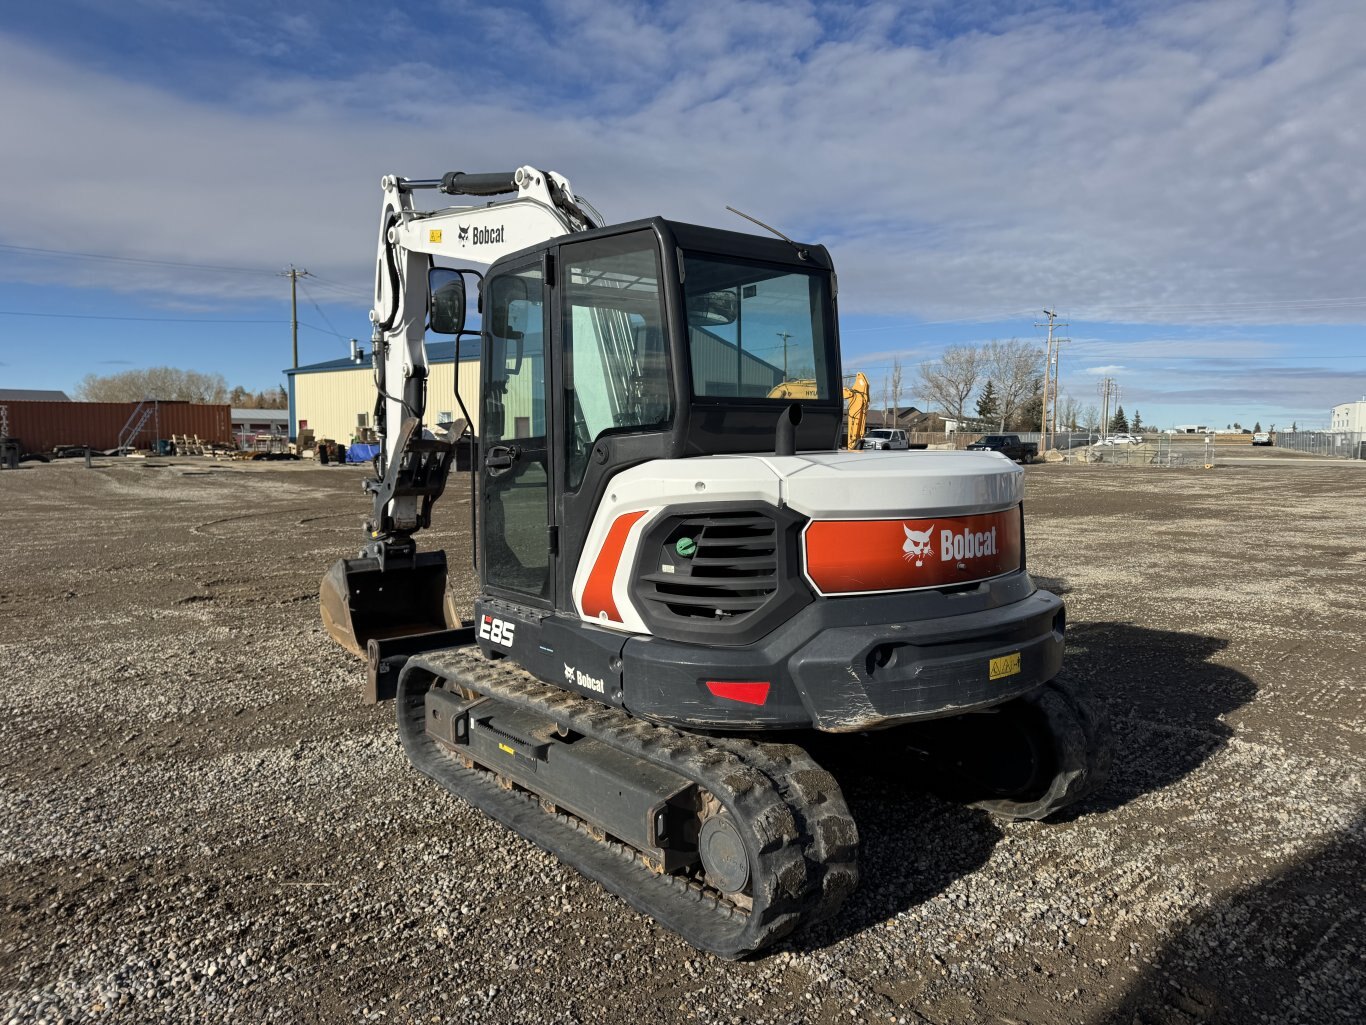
{"x": 146, "y": 410}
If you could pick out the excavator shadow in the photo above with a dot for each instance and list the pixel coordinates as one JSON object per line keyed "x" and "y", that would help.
{"x": 1287, "y": 949}
{"x": 1166, "y": 700}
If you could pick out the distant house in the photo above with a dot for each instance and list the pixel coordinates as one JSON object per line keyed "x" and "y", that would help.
{"x": 912, "y": 419}
{"x": 32, "y": 395}
{"x": 887, "y": 418}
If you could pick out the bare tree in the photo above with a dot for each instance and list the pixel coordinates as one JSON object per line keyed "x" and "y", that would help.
{"x": 172, "y": 385}
{"x": 1090, "y": 417}
{"x": 1069, "y": 409}
{"x": 1016, "y": 368}
{"x": 950, "y": 382}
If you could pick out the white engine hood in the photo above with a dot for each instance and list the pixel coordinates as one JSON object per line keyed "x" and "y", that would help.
{"x": 832, "y": 485}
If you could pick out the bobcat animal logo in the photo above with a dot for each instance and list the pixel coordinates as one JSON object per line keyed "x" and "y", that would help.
{"x": 463, "y": 233}
{"x": 918, "y": 546}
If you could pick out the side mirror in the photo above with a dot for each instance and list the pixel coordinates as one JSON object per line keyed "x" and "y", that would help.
{"x": 447, "y": 289}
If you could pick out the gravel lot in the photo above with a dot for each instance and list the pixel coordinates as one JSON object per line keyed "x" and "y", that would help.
{"x": 199, "y": 821}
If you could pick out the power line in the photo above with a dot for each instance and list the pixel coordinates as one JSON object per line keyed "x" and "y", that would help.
{"x": 151, "y": 320}
{"x": 339, "y": 286}
{"x": 320, "y": 330}
{"x": 852, "y": 359}
{"x": 72, "y": 254}
{"x": 320, "y": 311}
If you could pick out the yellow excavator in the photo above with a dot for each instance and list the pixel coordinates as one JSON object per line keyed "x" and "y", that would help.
{"x": 857, "y": 397}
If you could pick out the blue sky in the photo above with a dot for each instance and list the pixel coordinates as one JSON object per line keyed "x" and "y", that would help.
{"x": 1182, "y": 181}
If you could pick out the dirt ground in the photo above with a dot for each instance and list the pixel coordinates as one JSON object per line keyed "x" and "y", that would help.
{"x": 199, "y": 821}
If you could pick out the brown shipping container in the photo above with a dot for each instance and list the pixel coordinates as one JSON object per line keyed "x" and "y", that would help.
{"x": 43, "y": 426}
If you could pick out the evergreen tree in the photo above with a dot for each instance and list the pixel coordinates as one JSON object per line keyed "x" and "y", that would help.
{"x": 1136, "y": 424}
{"x": 1028, "y": 416}
{"x": 1119, "y": 423}
{"x": 988, "y": 402}
{"x": 1257, "y": 427}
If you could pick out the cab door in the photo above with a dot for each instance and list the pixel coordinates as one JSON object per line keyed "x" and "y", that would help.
{"x": 515, "y": 465}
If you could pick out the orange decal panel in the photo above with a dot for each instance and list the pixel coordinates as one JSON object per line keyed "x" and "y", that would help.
{"x": 598, "y": 602}
{"x": 854, "y": 556}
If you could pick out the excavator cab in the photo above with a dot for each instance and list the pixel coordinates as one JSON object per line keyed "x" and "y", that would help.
{"x": 599, "y": 351}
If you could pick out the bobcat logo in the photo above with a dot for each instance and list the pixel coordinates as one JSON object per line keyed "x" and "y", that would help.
{"x": 463, "y": 233}
{"x": 918, "y": 545}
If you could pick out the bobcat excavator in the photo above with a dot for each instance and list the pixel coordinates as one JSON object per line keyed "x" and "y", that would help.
{"x": 679, "y": 575}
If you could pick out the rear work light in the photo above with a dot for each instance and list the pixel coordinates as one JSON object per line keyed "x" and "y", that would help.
{"x": 748, "y": 693}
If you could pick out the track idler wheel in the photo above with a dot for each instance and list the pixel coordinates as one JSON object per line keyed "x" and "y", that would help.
{"x": 1026, "y": 759}
{"x": 724, "y": 856}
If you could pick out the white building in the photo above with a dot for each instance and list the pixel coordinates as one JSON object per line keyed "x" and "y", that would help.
{"x": 336, "y": 399}
{"x": 1349, "y": 416}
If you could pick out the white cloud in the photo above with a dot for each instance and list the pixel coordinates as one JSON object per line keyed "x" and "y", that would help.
{"x": 1103, "y": 371}
{"x": 1198, "y": 163}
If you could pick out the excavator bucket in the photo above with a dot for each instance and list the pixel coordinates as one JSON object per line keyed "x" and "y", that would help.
{"x": 362, "y": 601}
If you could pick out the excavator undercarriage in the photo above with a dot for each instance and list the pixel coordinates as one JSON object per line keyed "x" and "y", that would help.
{"x": 729, "y": 842}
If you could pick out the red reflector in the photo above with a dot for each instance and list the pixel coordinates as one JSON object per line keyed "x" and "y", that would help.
{"x": 749, "y": 693}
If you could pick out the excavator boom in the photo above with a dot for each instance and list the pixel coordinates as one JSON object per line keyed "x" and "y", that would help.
{"x": 391, "y": 590}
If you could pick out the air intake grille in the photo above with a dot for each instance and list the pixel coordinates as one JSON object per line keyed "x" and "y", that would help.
{"x": 719, "y": 567}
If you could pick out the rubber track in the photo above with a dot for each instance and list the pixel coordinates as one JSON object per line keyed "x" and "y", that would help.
{"x": 1084, "y": 750}
{"x": 800, "y": 836}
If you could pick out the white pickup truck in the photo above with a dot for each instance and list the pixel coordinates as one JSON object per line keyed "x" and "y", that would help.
{"x": 885, "y": 437}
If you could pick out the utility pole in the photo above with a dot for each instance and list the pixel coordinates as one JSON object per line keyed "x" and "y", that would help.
{"x": 1058, "y": 343}
{"x": 1047, "y": 374}
{"x": 1109, "y": 389}
{"x": 294, "y": 276}
{"x": 784, "y": 335}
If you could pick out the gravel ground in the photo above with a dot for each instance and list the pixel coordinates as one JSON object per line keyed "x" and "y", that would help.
{"x": 200, "y": 822}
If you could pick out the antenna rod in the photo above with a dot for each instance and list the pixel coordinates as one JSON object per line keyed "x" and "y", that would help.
{"x": 801, "y": 252}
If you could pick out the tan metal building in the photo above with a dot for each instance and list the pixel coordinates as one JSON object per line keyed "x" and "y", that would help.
{"x": 336, "y": 399}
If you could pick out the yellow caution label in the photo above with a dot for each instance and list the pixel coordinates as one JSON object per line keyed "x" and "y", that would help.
{"x": 434, "y": 235}
{"x": 1004, "y": 665}
{"x": 504, "y": 747}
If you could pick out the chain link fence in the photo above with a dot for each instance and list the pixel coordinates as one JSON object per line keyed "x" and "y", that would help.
{"x": 1335, "y": 444}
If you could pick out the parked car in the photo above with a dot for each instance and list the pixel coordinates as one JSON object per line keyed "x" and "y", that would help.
{"x": 885, "y": 438}
{"x": 1009, "y": 445}
{"x": 1261, "y": 438}
{"x": 1120, "y": 439}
